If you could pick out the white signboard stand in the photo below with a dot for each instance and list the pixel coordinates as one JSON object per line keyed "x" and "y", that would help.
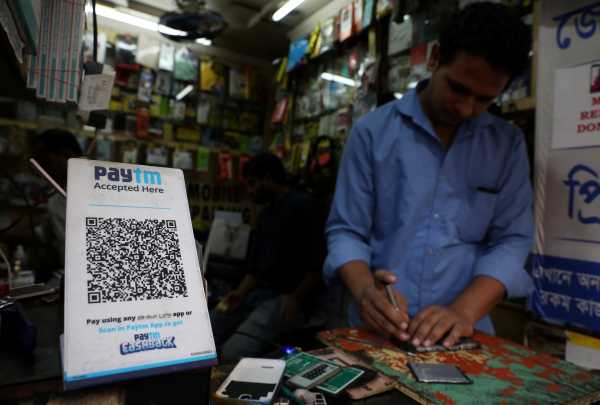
{"x": 134, "y": 299}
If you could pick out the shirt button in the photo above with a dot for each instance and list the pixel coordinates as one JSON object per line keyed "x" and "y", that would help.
{"x": 430, "y": 251}
{"x": 436, "y": 216}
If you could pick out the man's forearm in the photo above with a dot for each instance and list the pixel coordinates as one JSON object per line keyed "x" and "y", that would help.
{"x": 356, "y": 275}
{"x": 479, "y": 298}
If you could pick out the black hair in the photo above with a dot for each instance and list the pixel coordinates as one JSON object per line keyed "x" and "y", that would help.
{"x": 263, "y": 165}
{"x": 489, "y": 30}
{"x": 57, "y": 140}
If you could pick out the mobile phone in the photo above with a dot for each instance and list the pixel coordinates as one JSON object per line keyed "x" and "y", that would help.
{"x": 253, "y": 381}
{"x": 320, "y": 399}
{"x": 438, "y": 373}
{"x": 315, "y": 375}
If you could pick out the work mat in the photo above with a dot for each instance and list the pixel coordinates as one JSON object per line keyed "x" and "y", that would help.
{"x": 502, "y": 371}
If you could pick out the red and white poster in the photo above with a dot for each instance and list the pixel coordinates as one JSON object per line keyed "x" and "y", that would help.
{"x": 577, "y": 106}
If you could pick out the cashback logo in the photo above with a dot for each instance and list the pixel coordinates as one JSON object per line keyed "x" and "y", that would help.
{"x": 147, "y": 341}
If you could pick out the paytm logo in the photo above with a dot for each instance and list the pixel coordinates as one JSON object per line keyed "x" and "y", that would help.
{"x": 137, "y": 175}
{"x": 583, "y": 184}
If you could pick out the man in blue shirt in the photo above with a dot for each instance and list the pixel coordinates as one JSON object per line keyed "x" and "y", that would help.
{"x": 433, "y": 194}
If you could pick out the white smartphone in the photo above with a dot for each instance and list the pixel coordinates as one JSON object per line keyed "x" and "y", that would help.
{"x": 253, "y": 381}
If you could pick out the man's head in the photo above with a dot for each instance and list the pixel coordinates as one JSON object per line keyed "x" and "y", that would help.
{"x": 481, "y": 49}
{"x": 53, "y": 148}
{"x": 265, "y": 177}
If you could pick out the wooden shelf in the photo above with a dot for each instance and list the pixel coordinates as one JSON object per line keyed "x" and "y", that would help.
{"x": 6, "y": 122}
{"x": 116, "y": 136}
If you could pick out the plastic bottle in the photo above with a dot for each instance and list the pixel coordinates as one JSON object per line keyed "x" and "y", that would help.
{"x": 19, "y": 259}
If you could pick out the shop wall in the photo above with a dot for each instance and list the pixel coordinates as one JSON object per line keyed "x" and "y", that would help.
{"x": 567, "y": 210}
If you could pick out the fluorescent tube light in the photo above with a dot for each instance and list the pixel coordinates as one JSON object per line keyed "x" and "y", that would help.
{"x": 284, "y": 10}
{"x": 119, "y": 16}
{"x": 150, "y": 23}
{"x": 339, "y": 79}
{"x": 163, "y": 29}
{"x": 204, "y": 41}
{"x": 184, "y": 92}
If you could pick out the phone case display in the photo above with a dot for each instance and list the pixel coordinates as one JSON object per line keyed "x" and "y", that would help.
{"x": 400, "y": 36}
{"x": 142, "y": 122}
{"x": 186, "y": 65}
{"x": 183, "y": 159}
{"x": 346, "y": 21}
{"x": 178, "y": 110}
{"x": 104, "y": 149}
{"x": 327, "y": 35}
{"x": 366, "y": 95}
{"x": 162, "y": 84}
{"x": 398, "y": 74}
{"x": 126, "y": 47}
{"x": 367, "y": 13}
{"x": 203, "y": 109}
{"x": 357, "y": 7}
{"x": 238, "y": 83}
{"x": 157, "y": 155}
{"x": 148, "y": 51}
{"x": 384, "y": 7}
{"x": 166, "y": 59}
{"x": 297, "y": 52}
{"x": 145, "y": 85}
{"x": 212, "y": 76}
{"x": 202, "y": 159}
{"x": 129, "y": 153}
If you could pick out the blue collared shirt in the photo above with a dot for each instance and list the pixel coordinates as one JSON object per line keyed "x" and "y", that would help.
{"x": 436, "y": 218}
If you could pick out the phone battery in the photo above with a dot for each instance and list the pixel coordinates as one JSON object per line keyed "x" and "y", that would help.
{"x": 438, "y": 373}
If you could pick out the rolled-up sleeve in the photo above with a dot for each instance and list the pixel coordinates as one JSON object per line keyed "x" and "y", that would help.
{"x": 350, "y": 220}
{"x": 510, "y": 235}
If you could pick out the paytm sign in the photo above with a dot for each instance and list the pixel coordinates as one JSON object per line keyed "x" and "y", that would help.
{"x": 136, "y": 175}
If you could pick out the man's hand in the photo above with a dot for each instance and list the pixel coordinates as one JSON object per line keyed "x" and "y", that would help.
{"x": 230, "y": 302}
{"x": 376, "y": 310}
{"x": 431, "y": 324}
{"x": 290, "y": 308}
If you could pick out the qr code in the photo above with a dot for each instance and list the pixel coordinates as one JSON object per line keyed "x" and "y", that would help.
{"x": 131, "y": 260}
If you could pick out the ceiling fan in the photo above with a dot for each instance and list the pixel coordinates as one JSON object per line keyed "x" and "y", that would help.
{"x": 193, "y": 20}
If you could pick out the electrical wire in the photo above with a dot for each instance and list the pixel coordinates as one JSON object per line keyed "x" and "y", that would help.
{"x": 11, "y": 225}
{"x": 9, "y": 269}
{"x": 27, "y": 203}
{"x": 95, "y": 31}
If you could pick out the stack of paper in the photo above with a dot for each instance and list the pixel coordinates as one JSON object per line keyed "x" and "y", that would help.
{"x": 55, "y": 71}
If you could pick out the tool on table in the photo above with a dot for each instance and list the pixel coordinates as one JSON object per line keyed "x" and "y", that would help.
{"x": 389, "y": 290}
{"x": 462, "y": 344}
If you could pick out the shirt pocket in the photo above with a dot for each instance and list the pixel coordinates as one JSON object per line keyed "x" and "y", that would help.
{"x": 478, "y": 210}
